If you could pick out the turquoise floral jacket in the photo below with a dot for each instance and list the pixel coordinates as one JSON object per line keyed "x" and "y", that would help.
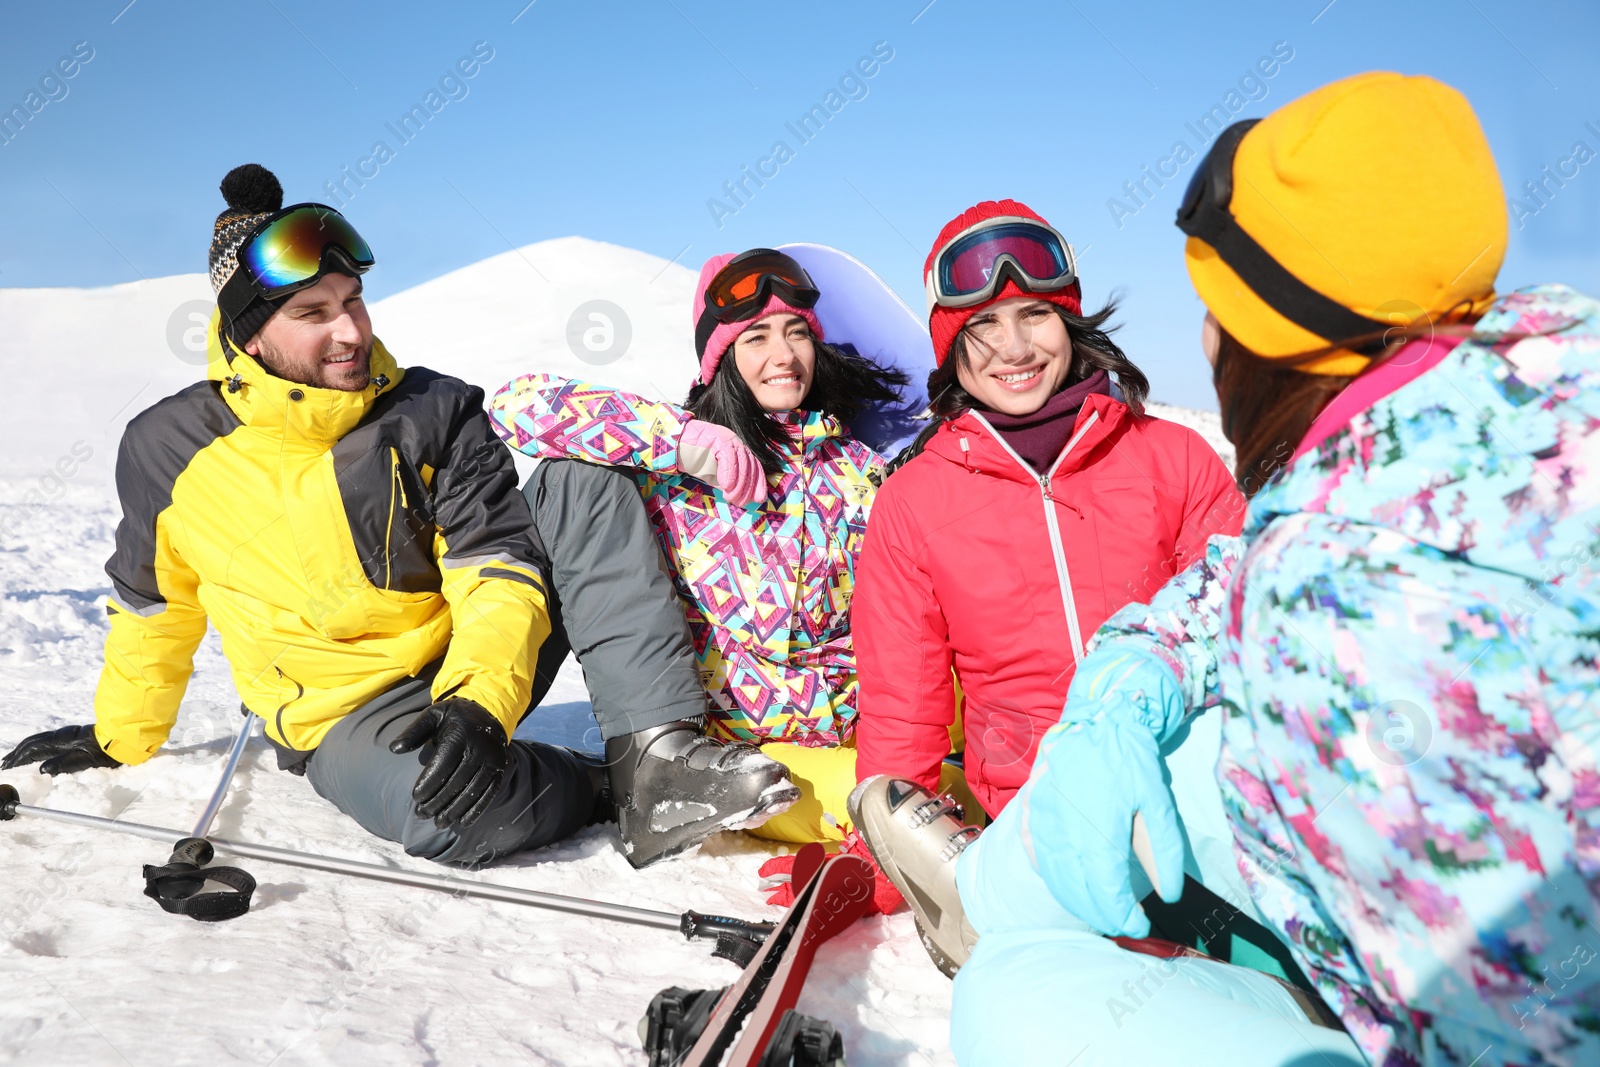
{"x": 1405, "y": 644}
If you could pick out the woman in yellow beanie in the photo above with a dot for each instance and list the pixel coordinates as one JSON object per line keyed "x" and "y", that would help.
{"x": 1403, "y": 645}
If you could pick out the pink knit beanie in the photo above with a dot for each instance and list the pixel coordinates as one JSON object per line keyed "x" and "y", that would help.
{"x": 725, "y": 333}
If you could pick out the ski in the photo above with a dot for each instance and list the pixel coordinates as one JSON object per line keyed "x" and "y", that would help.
{"x": 842, "y": 894}
{"x": 757, "y": 1009}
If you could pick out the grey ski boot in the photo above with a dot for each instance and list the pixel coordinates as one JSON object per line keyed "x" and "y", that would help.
{"x": 674, "y": 787}
{"x": 915, "y": 837}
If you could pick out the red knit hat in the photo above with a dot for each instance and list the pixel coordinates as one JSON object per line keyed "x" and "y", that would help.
{"x": 944, "y": 323}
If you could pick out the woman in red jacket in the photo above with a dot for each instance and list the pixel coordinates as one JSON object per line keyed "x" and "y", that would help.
{"x": 1044, "y": 500}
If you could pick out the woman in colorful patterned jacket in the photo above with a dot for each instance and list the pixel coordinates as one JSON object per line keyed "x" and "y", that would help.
{"x": 1403, "y": 648}
{"x": 759, "y": 497}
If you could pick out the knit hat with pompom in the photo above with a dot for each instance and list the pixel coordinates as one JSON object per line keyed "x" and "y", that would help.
{"x": 253, "y": 194}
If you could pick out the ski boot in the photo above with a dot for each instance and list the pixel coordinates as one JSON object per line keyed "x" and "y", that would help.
{"x": 674, "y": 787}
{"x": 915, "y": 837}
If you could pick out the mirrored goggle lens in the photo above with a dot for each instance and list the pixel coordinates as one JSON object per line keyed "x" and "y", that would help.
{"x": 968, "y": 265}
{"x": 289, "y": 251}
{"x": 741, "y": 280}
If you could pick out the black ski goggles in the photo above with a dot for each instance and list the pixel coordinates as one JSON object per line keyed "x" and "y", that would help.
{"x": 740, "y": 290}
{"x": 1206, "y": 213}
{"x": 976, "y": 263}
{"x": 299, "y": 244}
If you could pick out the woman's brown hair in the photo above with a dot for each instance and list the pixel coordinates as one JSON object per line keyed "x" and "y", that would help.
{"x": 1268, "y": 405}
{"x": 1266, "y": 409}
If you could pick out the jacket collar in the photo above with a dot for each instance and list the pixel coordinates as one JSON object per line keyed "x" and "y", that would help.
{"x": 970, "y": 441}
{"x": 263, "y": 401}
{"x": 1458, "y": 458}
{"x": 807, "y": 429}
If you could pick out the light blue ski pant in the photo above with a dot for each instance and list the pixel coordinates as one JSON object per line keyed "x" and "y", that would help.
{"x": 1042, "y": 988}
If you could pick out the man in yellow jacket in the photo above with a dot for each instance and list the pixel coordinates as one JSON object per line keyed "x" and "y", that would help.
{"x": 355, "y": 533}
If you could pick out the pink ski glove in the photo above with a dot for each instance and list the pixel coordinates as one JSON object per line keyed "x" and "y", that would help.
{"x": 738, "y": 472}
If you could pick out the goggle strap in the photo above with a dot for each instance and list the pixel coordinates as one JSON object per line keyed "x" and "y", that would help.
{"x": 236, "y": 296}
{"x": 1290, "y": 297}
{"x": 703, "y": 330}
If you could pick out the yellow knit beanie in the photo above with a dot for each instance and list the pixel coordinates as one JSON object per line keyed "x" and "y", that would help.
{"x": 1377, "y": 191}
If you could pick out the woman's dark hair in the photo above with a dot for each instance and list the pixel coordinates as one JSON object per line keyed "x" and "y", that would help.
{"x": 842, "y": 383}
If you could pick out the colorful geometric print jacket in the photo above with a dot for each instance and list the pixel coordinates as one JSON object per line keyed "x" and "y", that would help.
{"x": 338, "y": 541}
{"x": 766, "y": 588}
{"x": 1406, "y": 646}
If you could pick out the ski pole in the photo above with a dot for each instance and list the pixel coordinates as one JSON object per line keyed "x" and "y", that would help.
{"x": 734, "y": 936}
{"x": 176, "y": 884}
{"x": 220, "y": 794}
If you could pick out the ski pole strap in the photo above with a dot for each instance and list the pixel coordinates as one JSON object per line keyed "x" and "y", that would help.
{"x": 176, "y": 884}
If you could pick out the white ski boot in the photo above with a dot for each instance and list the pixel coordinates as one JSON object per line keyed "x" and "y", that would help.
{"x": 915, "y": 837}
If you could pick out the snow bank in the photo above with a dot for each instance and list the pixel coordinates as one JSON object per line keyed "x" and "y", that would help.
{"x": 328, "y": 970}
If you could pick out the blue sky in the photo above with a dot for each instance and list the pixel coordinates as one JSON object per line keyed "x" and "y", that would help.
{"x": 622, "y": 121}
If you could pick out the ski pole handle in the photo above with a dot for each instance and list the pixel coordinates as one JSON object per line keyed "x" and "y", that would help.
{"x": 695, "y": 925}
{"x": 190, "y": 854}
{"x": 176, "y": 886}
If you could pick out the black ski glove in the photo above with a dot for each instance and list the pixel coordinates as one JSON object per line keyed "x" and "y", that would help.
{"x": 469, "y": 757}
{"x": 65, "y": 751}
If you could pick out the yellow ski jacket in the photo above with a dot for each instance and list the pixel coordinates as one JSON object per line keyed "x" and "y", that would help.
{"x": 339, "y": 542}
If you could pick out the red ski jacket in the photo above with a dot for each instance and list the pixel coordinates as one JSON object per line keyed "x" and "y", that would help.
{"x": 972, "y": 559}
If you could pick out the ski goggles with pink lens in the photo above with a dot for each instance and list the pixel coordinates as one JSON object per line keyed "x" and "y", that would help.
{"x": 975, "y": 264}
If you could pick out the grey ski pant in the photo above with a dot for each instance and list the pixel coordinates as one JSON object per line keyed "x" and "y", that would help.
{"x": 613, "y": 606}
{"x": 611, "y": 602}
{"x": 546, "y": 793}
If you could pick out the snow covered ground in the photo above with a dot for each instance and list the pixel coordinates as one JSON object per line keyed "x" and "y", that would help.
{"x": 327, "y": 969}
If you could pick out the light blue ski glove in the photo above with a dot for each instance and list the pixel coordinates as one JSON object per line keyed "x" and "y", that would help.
{"x": 1096, "y": 768}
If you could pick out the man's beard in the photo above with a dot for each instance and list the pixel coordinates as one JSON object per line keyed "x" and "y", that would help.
{"x": 318, "y": 373}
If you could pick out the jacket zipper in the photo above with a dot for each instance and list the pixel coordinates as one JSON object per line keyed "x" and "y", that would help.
{"x": 1063, "y": 576}
{"x": 388, "y": 536}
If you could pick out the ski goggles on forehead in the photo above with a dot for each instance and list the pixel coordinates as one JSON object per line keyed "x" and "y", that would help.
{"x": 290, "y": 251}
{"x": 742, "y": 288}
{"x": 976, "y": 263}
{"x": 1207, "y": 213}
{"x": 1204, "y": 212}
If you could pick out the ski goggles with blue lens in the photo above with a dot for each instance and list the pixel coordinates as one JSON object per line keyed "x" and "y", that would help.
{"x": 976, "y": 263}
{"x": 292, "y": 250}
